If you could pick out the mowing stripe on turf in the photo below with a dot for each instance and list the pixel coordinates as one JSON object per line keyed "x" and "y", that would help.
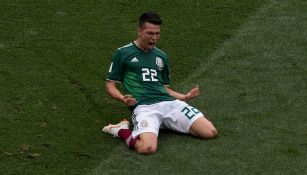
{"x": 248, "y": 27}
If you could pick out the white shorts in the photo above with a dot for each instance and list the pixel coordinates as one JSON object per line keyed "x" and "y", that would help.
{"x": 175, "y": 115}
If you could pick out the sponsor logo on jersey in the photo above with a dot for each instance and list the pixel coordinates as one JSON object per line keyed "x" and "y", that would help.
{"x": 159, "y": 63}
{"x": 134, "y": 60}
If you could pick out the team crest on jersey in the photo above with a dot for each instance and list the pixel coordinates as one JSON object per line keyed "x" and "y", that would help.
{"x": 159, "y": 63}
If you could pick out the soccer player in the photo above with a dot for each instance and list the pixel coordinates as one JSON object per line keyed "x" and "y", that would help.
{"x": 143, "y": 70}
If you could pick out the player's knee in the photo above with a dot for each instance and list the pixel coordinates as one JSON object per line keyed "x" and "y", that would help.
{"x": 147, "y": 149}
{"x": 208, "y": 134}
{"x": 213, "y": 133}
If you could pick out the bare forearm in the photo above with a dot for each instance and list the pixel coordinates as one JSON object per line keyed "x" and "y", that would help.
{"x": 194, "y": 92}
{"x": 175, "y": 94}
{"x": 114, "y": 92}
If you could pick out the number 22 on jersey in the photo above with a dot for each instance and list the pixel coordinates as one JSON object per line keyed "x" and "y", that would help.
{"x": 149, "y": 74}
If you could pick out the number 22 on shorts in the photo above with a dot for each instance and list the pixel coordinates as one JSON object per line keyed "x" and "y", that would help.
{"x": 189, "y": 112}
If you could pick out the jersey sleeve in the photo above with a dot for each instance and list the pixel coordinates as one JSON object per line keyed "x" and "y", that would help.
{"x": 116, "y": 68}
{"x": 165, "y": 74}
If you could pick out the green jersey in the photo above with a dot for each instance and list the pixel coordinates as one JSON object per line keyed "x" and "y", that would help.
{"x": 143, "y": 74}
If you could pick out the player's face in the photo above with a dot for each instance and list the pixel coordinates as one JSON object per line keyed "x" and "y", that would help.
{"x": 149, "y": 34}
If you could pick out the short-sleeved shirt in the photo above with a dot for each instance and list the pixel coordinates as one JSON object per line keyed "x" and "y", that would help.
{"x": 143, "y": 74}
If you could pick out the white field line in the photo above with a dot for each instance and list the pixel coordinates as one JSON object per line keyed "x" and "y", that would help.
{"x": 209, "y": 64}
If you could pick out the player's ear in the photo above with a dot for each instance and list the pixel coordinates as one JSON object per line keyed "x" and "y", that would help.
{"x": 139, "y": 30}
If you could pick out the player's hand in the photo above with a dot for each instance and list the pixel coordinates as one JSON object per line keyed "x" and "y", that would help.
{"x": 129, "y": 100}
{"x": 194, "y": 92}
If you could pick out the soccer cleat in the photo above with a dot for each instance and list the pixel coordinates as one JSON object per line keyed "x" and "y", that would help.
{"x": 113, "y": 129}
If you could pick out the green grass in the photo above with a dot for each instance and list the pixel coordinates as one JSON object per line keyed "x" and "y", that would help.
{"x": 249, "y": 59}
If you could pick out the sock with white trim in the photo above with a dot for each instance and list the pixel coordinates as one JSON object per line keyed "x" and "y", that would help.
{"x": 126, "y": 135}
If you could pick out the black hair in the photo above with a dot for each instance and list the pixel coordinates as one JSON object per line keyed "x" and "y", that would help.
{"x": 150, "y": 17}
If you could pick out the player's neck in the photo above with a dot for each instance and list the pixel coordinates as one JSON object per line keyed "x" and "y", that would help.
{"x": 139, "y": 44}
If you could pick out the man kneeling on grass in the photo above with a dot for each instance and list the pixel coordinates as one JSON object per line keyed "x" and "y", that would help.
{"x": 144, "y": 71}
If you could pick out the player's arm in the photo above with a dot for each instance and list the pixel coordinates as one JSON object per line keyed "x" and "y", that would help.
{"x": 113, "y": 91}
{"x": 194, "y": 92}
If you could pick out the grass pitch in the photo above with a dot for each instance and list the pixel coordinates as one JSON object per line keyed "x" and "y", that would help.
{"x": 249, "y": 59}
